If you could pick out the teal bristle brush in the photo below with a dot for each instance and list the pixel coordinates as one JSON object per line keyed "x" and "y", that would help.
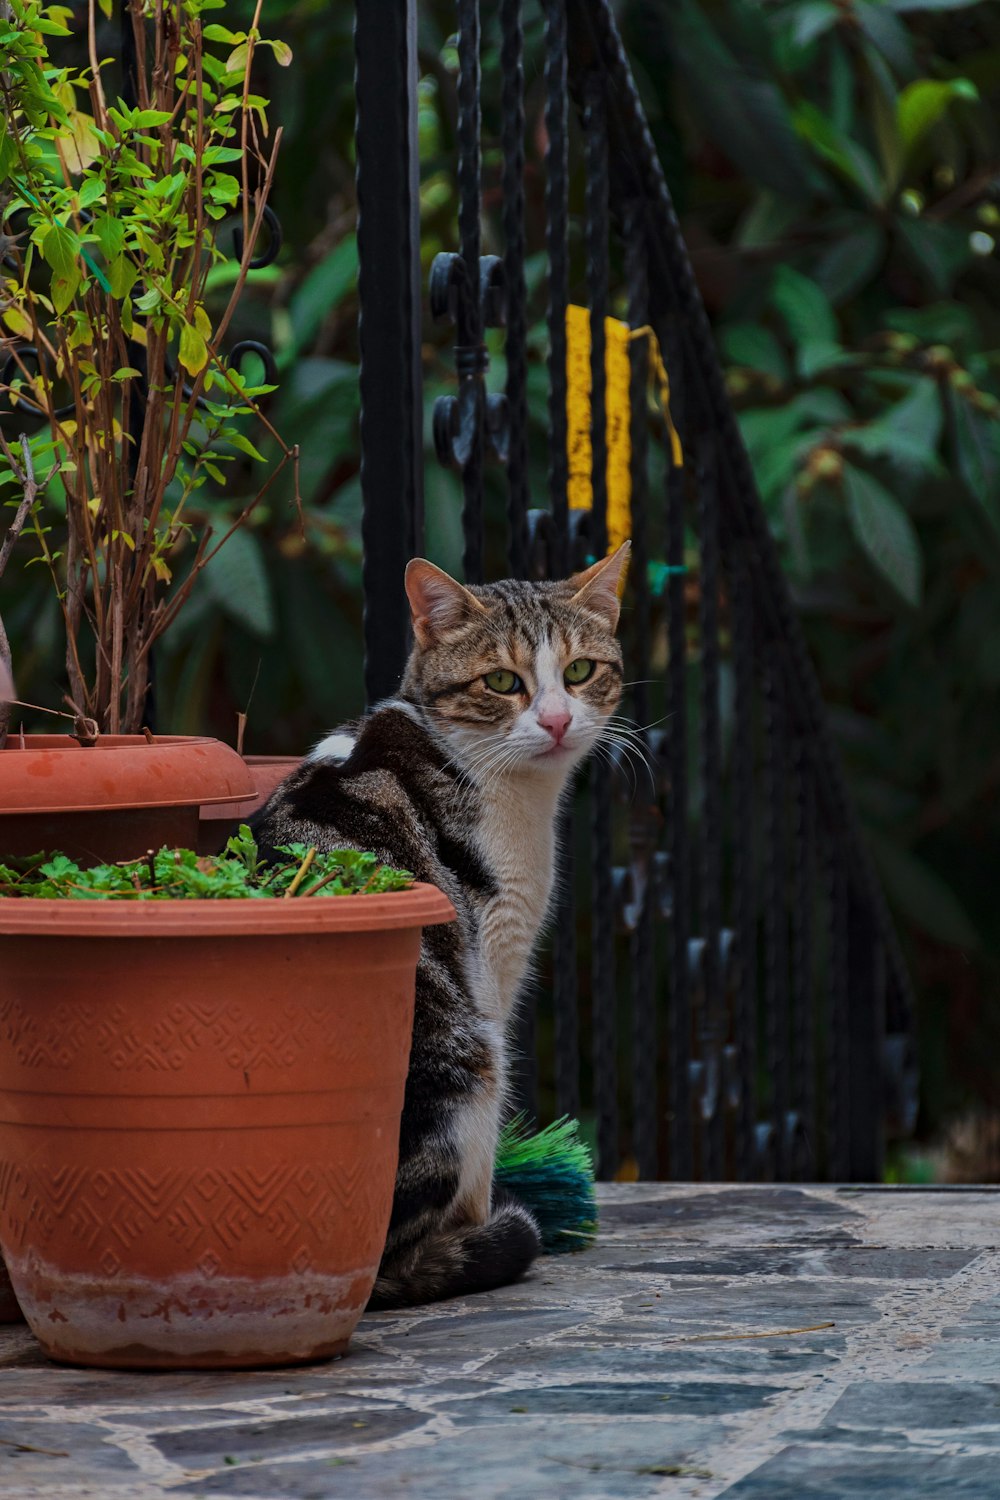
{"x": 552, "y": 1174}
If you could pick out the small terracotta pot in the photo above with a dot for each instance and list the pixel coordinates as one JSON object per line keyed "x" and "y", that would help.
{"x": 199, "y": 1120}
{"x": 217, "y": 820}
{"x": 113, "y": 800}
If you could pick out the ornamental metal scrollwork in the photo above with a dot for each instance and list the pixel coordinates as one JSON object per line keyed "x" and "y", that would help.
{"x": 272, "y": 246}
{"x": 457, "y": 419}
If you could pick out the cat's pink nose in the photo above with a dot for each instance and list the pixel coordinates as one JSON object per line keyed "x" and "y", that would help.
{"x": 556, "y": 724}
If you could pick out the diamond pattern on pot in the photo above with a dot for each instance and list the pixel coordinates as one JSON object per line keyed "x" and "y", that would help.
{"x": 207, "y": 1213}
{"x": 53, "y": 1042}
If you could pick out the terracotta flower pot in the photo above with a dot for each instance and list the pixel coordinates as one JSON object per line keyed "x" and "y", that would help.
{"x": 199, "y": 1120}
{"x": 113, "y": 800}
{"x": 218, "y": 819}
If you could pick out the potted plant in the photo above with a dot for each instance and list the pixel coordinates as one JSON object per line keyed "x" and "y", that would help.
{"x": 198, "y": 1135}
{"x": 114, "y": 366}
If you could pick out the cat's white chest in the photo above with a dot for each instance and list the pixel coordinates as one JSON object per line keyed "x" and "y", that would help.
{"x": 517, "y": 837}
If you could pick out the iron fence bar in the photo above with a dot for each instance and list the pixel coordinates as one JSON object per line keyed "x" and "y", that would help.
{"x": 865, "y": 1041}
{"x": 803, "y": 1007}
{"x": 557, "y": 246}
{"x": 597, "y": 230}
{"x": 604, "y": 1039}
{"x": 512, "y": 106}
{"x": 681, "y": 1155}
{"x": 836, "y": 1061}
{"x": 516, "y": 415}
{"x": 596, "y": 46}
{"x": 710, "y": 1021}
{"x": 644, "y": 818}
{"x": 388, "y": 186}
{"x": 638, "y": 572}
{"x": 556, "y": 552}
{"x": 744, "y": 882}
{"x": 776, "y": 892}
{"x": 470, "y": 355}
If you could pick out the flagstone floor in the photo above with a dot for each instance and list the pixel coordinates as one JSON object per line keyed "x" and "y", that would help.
{"x": 762, "y": 1343}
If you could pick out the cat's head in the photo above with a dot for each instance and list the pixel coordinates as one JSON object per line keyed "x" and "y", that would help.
{"x": 517, "y": 677}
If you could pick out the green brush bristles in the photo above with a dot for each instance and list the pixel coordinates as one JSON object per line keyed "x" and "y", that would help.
{"x": 552, "y": 1174}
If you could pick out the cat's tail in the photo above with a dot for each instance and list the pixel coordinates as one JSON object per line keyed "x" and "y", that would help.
{"x": 459, "y": 1261}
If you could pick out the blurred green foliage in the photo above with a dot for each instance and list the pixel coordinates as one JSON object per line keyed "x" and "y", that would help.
{"x": 836, "y": 166}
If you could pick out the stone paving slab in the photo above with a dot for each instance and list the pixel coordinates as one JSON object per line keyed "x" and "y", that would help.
{"x": 762, "y": 1343}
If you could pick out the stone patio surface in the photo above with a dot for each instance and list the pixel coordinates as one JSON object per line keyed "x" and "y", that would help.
{"x": 762, "y": 1343}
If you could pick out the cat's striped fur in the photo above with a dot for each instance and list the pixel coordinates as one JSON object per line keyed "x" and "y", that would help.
{"x": 461, "y": 783}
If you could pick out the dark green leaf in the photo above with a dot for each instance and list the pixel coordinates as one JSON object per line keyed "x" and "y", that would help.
{"x": 817, "y": 355}
{"x": 744, "y": 113}
{"x": 888, "y": 33}
{"x": 840, "y": 151}
{"x": 909, "y": 431}
{"x": 237, "y": 580}
{"x": 905, "y": 5}
{"x": 323, "y": 290}
{"x": 885, "y": 531}
{"x": 755, "y": 347}
{"x": 940, "y": 323}
{"x": 938, "y": 250}
{"x": 976, "y": 458}
{"x": 851, "y": 262}
{"x": 920, "y": 895}
{"x": 804, "y": 307}
{"x": 813, "y": 19}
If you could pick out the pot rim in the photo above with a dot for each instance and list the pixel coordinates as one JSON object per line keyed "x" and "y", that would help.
{"x": 422, "y": 905}
{"x": 116, "y": 774}
{"x": 107, "y": 742}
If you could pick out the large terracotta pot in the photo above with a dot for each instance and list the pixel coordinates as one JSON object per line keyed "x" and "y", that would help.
{"x": 199, "y": 1120}
{"x": 115, "y": 799}
{"x": 217, "y": 820}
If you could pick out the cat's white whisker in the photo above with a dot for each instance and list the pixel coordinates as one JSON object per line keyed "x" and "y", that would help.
{"x": 632, "y": 748}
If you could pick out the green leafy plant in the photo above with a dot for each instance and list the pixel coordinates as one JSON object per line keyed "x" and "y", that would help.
{"x": 238, "y": 873}
{"x": 112, "y": 212}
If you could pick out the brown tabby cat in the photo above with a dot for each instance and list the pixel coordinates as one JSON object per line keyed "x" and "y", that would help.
{"x": 459, "y": 779}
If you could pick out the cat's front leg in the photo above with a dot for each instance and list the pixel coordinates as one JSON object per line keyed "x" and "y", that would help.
{"x": 477, "y": 1130}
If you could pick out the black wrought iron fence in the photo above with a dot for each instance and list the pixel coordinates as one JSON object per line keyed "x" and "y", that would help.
{"x": 724, "y": 992}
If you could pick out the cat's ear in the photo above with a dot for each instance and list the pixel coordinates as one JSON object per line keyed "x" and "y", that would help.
{"x": 600, "y": 586}
{"x": 437, "y": 601}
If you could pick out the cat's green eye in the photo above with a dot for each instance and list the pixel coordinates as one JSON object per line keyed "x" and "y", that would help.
{"x": 578, "y": 671}
{"x": 503, "y": 682}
